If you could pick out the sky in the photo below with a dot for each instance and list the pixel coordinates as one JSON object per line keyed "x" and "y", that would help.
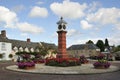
{"x": 86, "y": 20}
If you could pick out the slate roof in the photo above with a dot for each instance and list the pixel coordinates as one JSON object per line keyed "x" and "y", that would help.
{"x": 24, "y": 44}
{"x": 49, "y": 45}
{"x": 19, "y": 43}
{"x": 82, "y": 46}
{"x": 2, "y": 39}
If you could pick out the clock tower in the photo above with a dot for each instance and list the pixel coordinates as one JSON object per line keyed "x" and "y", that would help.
{"x": 62, "y": 39}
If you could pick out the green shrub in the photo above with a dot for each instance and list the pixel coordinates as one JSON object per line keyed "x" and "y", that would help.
{"x": 10, "y": 56}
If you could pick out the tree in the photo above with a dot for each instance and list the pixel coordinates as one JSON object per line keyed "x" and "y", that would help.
{"x": 90, "y": 42}
{"x": 106, "y": 43}
{"x": 100, "y": 44}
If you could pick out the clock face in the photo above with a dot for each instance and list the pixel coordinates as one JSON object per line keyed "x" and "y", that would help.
{"x": 64, "y": 27}
{"x": 59, "y": 27}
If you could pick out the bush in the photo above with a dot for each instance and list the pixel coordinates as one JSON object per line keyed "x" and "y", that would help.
{"x": 10, "y": 55}
{"x": 38, "y": 60}
{"x": 62, "y": 62}
{"x": 101, "y": 56}
{"x": 25, "y": 56}
{"x": 83, "y": 59}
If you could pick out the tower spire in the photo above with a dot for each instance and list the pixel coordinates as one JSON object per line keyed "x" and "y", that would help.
{"x": 61, "y": 18}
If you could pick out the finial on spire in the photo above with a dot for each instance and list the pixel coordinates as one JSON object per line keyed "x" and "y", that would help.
{"x": 61, "y": 18}
{"x": 61, "y": 21}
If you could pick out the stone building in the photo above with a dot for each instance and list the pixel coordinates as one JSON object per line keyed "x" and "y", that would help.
{"x": 83, "y": 49}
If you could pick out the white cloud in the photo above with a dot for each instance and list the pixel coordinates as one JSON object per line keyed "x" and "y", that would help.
{"x": 39, "y": 2}
{"x": 118, "y": 26}
{"x": 24, "y": 34}
{"x": 18, "y": 8}
{"x": 68, "y": 9}
{"x": 94, "y": 6}
{"x": 7, "y": 17}
{"x": 38, "y": 12}
{"x": 54, "y": 35}
{"x": 115, "y": 38}
{"x": 105, "y": 16}
{"x": 83, "y": 41}
{"x": 29, "y": 28}
{"x": 85, "y": 24}
{"x": 72, "y": 32}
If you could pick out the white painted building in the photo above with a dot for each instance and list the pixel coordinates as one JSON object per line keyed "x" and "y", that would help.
{"x": 5, "y": 50}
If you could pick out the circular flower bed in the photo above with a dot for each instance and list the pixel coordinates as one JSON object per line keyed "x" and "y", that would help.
{"x": 62, "y": 62}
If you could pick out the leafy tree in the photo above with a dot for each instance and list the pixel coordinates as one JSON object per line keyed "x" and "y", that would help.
{"x": 100, "y": 44}
{"x": 90, "y": 42}
{"x": 106, "y": 43}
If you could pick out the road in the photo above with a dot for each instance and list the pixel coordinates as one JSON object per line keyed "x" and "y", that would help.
{"x": 12, "y": 75}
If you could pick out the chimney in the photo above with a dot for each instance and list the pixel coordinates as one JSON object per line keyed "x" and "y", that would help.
{"x": 28, "y": 40}
{"x": 3, "y": 33}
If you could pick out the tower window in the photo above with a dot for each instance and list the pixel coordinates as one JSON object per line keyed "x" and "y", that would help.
{"x": 64, "y": 27}
{"x": 59, "y": 27}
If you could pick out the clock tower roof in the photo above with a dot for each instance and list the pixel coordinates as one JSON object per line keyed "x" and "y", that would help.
{"x": 61, "y": 21}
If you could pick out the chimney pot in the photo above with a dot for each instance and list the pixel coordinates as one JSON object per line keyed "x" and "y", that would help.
{"x": 3, "y": 33}
{"x": 28, "y": 39}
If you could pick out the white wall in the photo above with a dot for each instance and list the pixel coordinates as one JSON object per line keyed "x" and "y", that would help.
{"x": 5, "y": 50}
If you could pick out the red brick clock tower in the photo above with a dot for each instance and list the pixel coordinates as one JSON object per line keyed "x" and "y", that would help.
{"x": 61, "y": 39}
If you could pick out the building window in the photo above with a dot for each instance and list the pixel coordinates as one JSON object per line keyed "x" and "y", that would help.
{"x": 3, "y": 47}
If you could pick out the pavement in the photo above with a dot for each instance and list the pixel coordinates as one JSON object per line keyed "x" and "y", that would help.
{"x": 16, "y": 75}
{"x": 83, "y": 69}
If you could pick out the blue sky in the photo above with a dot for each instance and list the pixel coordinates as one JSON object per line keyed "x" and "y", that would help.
{"x": 36, "y": 19}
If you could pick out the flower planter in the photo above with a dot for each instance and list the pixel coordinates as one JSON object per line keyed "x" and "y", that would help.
{"x": 101, "y": 64}
{"x": 26, "y": 65}
{"x": 29, "y": 68}
{"x": 100, "y": 67}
